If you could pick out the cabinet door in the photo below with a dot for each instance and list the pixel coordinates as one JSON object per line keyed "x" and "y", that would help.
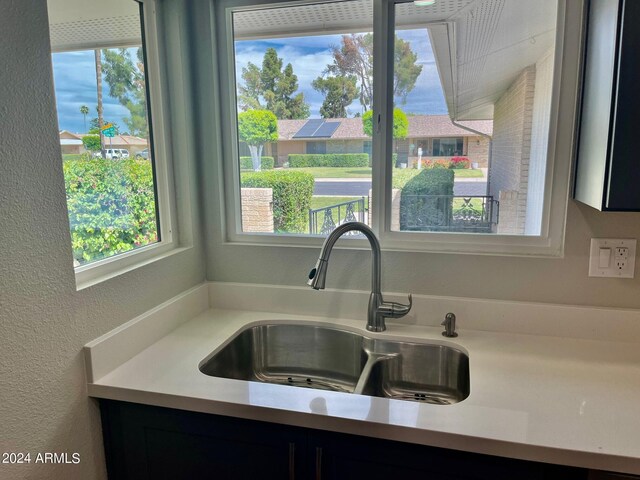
{"x": 143, "y": 442}
{"x": 337, "y": 456}
{"x": 624, "y": 179}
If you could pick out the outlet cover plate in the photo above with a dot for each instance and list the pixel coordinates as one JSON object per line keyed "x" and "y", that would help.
{"x": 613, "y": 270}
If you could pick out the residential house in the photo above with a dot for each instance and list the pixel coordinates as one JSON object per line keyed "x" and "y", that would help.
{"x": 436, "y": 135}
{"x": 72, "y": 143}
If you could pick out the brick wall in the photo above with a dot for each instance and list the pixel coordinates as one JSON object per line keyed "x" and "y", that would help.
{"x": 478, "y": 150}
{"x": 257, "y": 209}
{"x": 511, "y": 150}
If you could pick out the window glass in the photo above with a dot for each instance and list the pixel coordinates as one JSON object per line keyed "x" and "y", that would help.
{"x": 104, "y": 128}
{"x": 472, "y": 93}
{"x": 304, "y": 94}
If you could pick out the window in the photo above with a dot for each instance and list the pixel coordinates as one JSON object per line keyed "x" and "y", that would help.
{"x": 114, "y": 175}
{"x": 463, "y": 136}
{"x": 298, "y": 108}
{"x": 448, "y": 147}
{"x": 319, "y": 148}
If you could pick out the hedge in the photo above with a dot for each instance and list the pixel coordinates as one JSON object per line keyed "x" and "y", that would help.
{"x": 419, "y": 211}
{"x": 292, "y": 192}
{"x": 329, "y": 160}
{"x": 266, "y": 163}
{"x": 111, "y": 206}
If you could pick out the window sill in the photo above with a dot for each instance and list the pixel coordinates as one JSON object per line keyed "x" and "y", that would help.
{"x": 103, "y": 270}
{"x": 451, "y": 243}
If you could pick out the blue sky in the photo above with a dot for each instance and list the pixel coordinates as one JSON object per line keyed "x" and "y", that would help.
{"x": 74, "y": 76}
{"x": 309, "y": 56}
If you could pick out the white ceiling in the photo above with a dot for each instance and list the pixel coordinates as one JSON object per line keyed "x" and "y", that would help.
{"x": 337, "y": 17}
{"x": 86, "y": 24}
{"x": 494, "y": 41}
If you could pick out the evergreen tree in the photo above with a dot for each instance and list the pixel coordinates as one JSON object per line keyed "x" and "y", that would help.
{"x": 272, "y": 88}
{"x": 355, "y": 57}
{"x": 339, "y": 93}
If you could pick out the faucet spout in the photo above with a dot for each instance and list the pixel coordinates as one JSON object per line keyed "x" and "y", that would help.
{"x": 378, "y": 308}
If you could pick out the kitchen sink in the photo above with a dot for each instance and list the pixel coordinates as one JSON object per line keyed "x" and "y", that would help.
{"x": 328, "y": 358}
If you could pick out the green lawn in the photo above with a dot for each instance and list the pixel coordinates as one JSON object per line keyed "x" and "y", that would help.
{"x": 319, "y": 202}
{"x": 74, "y": 156}
{"x": 468, "y": 173}
{"x": 365, "y": 172}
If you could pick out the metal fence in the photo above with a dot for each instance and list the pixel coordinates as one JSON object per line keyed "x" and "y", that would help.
{"x": 449, "y": 213}
{"x": 323, "y": 220}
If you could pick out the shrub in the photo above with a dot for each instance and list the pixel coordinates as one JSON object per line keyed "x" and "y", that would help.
{"x": 266, "y": 163}
{"x": 329, "y": 160}
{"x": 292, "y": 192}
{"x": 460, "y": 162}
{"x": 91, "y": 143}
{"x": 111, "y": 206}
{"x": 402, "y": 175}
{"x": 427, "y": 200}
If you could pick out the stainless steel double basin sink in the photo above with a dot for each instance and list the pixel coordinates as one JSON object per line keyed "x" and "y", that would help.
{"x": 328, "y": 358}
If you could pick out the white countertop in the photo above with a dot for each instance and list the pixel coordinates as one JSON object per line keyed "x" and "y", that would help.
{"x": 550, "y": 399}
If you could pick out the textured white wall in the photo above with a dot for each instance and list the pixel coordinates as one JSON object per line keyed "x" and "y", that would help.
{"x": 44, "y": 322}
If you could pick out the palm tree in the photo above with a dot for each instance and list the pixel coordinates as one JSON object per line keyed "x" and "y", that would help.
{"x": 98, "y": 58}
{"x": 84, "y": 110}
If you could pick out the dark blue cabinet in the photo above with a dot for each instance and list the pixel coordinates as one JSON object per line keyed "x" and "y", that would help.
{"x": 607, "y": 170}
{"x": 145, "y": 442}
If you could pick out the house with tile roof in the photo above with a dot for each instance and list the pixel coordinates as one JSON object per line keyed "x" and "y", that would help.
{"x": 435, "y": 135}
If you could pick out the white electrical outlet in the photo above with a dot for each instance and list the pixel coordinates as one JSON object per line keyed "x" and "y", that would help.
{"x": 612, "y": 257}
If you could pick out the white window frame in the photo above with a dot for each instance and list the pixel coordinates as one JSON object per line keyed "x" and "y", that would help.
{"x": 561, "y": 149}
{"x": 104, "y": 269}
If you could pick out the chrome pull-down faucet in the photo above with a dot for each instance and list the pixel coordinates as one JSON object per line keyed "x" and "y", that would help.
{"x": 378, "y": 308}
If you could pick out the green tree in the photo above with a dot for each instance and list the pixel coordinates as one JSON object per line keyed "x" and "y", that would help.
{"x": 126, "y": 82}
{"x": 251, "y": 91}
{"x": 255, "y": 128}
{"x": 84, "y": 110}
{"x": 405, "y": 72}
{"x": 272, "y": 88}
{"x": 400, "y": 123}
{"x": 92, "y": 143}
{"x": 354, "y": 57}
{"x": 339, "y": 92}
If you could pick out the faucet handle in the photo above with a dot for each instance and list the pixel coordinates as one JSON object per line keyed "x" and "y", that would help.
{"x": 449, "y": 323}
{"x": 395, "y": 309}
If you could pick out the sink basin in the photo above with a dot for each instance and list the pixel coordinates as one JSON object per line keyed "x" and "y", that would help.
{"x": 428, "y": 373}
{"x": 299, "y": 355}
{"x": 328, "y": 358}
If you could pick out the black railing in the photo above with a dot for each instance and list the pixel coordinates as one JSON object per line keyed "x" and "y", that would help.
{"x": 449, "y": 213}
{"x": 323, "y": 220}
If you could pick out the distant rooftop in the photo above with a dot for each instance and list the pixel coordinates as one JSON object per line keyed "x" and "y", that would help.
{"x": 351, "y": 128}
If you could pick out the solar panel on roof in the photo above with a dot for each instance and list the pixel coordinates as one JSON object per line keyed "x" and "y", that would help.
{"x": 309, "y": 128}
{"x": 326, "y": 129}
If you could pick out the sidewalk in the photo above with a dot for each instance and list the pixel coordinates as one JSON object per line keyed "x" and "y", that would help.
{"x": 368, "y": 179}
